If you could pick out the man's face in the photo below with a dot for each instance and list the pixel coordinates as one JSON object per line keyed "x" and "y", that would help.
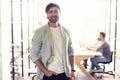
{"x": 100, "y": 37}
{"x": 53, "y": 14}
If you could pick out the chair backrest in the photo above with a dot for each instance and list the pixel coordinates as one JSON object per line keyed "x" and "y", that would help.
{"x": 111, "y": 57}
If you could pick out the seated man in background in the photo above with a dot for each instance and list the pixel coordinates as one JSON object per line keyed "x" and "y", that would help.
{"x": 102, "y": 47}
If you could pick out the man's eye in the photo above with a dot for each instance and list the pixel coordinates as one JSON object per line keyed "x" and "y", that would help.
{"x": 51, "y": 12}
{"x": 56, "y": 11}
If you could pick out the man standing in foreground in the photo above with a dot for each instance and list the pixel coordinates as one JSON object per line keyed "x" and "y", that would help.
{"x": 52, "y": 50}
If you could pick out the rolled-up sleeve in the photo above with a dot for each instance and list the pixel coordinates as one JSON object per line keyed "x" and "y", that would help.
{"x": 100, "y": 48}
{"x": 36, "y": 46}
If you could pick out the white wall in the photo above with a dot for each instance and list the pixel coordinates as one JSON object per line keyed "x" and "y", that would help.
{"x": 0, "y": 28}
{"x": 0, "y": 46}
{"x": 5, "y": 22}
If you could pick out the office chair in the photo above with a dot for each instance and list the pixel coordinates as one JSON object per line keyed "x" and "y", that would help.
{"x": 104, "y": 63}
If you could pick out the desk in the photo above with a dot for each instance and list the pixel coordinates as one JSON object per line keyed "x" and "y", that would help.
{"x": 82, "y": 56}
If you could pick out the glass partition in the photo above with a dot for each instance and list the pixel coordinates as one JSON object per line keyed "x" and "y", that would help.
{"x": 84, "y": 19}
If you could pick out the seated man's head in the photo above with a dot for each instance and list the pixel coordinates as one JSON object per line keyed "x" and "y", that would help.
{"x": 101, "y": 36}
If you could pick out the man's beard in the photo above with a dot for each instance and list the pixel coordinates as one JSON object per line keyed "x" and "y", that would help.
{"x": 53, "y": 19}
{"x": 98, "y": 39}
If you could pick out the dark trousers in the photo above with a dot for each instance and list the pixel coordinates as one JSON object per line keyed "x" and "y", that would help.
{"x": 61, "y": 76}
{"x": 85, "y": 63}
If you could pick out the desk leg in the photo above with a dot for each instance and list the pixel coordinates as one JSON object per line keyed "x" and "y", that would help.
{"x": 78, "y": 63}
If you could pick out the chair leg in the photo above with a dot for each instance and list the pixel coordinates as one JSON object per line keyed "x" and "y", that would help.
{"x": 104, "y": 68}
{"x": 107, "y": 72}
{"x": 110, "y": 73}
{"x": 96, "y": 76}
{"x": 33, "y": 78}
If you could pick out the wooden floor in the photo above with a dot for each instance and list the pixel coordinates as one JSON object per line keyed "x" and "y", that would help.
{"x": 79, "y": 76}
{"x": 106, "y": 77}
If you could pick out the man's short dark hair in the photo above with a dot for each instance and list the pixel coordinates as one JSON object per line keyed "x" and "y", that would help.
{"x": 103, "y": 34}
{"x": 51, "y": 5}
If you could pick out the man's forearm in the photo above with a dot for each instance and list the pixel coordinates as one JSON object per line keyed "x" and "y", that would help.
{"x": 40, "y": 65}
{"x": 71, "y": 59}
